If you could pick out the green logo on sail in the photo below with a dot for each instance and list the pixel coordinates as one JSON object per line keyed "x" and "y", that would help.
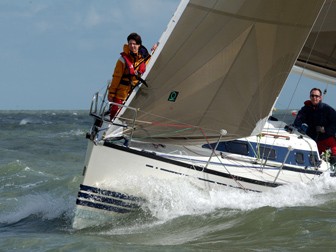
{"x": 173, "y": 95}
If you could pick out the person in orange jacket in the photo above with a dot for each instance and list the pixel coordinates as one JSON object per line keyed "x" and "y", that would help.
{"x": 127, "y": 72}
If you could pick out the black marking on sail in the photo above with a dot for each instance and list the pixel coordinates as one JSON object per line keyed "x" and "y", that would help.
{"x": 173, "y": 96}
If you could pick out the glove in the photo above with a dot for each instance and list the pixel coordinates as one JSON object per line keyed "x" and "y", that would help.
{"x": 110, "y": 96}
{"x": 303, "y": 128}
{"x": 320, "y": 129}
{"x": 289, "y": 128}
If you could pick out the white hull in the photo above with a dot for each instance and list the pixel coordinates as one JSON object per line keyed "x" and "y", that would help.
{"x": 110, "y": 168}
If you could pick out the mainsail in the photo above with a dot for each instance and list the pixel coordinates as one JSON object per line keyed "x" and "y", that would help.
{"x": 221, "y": 65}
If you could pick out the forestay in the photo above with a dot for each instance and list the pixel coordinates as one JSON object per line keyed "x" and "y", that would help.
{"x": 221, "y": 65}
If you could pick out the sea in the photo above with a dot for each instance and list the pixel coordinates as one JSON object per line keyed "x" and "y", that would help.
{"x": 41, "y": 163}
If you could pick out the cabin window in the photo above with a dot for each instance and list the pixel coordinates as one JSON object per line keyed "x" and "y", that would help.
{"x": 299, "y": 158}
{"x": 267, "y": 153}
{"x": 236, "y": 147}
{"x": 313, "y": 160}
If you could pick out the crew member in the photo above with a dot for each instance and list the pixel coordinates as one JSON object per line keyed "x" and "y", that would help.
{"x": 127, "y": 72}
{"x": 321, "y": 121}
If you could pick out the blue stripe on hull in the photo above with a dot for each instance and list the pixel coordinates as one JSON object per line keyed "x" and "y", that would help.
{"x": 101, "y": 206}
{"x": 107, "y": 200}
{"x": 107, "y": 193}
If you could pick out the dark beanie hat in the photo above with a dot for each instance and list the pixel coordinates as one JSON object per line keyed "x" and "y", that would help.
{"x": 135, "y": 37}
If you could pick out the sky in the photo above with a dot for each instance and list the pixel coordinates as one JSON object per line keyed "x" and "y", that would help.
{"x": 55, "y": 54}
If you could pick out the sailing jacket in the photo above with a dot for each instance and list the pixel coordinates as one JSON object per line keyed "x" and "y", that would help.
{"x": 127, "y": 71}
{"x": 320, "y": 115}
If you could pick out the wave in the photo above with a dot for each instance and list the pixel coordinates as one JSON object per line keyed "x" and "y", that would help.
{"x": 30, "y": 193}
{"x": 172, "y": 199}
{"x": 180, "y": 213}
{"x": 77, "y": 132}
{"x": 27, "y": 192}
{"x": 26, "y": 121}
{"x": 44, "y": 205}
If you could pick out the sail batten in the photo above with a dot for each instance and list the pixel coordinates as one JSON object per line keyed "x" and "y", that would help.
{"x": 225, "y": 62}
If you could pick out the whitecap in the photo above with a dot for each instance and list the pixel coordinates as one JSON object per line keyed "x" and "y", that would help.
{"x": 171, "y": 199}
{"x": 77, "y": 132}
{"x": 25, "y": 121}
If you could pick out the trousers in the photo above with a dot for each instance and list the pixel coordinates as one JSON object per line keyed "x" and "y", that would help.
{"x": 114, "y": 109}
{"x": 323, "y": 145}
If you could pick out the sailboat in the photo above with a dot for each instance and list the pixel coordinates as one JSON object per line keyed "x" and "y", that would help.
{"x": 206, "y": 115}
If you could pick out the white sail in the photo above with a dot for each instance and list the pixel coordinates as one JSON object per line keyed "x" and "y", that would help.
{"x": 226, "y": 61}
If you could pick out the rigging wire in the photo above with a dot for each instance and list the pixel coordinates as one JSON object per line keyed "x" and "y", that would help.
{"x": 304, "y": 68}
{"x": 310, "y": 52}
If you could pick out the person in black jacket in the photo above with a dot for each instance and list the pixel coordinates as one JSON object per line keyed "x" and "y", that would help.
{"x": 321, "y": 121}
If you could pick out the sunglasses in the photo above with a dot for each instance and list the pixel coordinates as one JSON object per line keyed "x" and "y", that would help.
{"x": 312, "y": 96}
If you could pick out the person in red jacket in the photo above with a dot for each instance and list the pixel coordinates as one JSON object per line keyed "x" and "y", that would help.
{"x": 127, "y": 72}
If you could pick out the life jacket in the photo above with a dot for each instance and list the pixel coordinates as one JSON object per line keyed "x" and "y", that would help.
{"x": 141, "y": 68}
{"x": 129, "y": 64}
